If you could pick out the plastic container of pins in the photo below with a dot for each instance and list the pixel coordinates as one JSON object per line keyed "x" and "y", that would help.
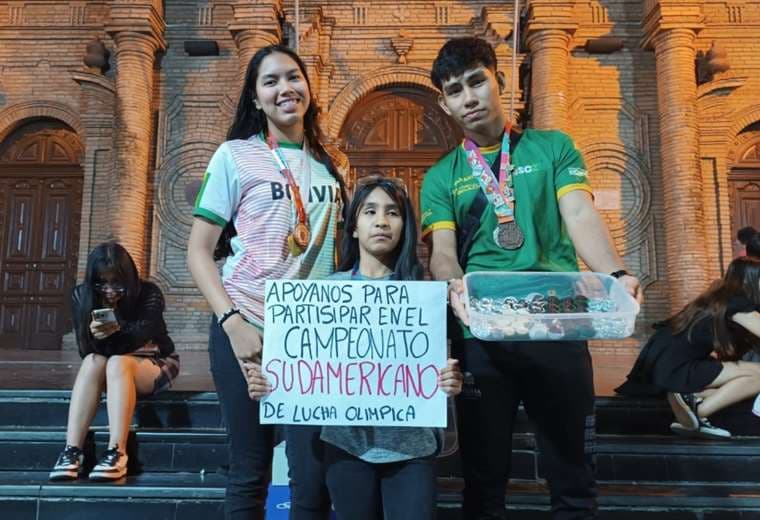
{"x": 548, "y": 306}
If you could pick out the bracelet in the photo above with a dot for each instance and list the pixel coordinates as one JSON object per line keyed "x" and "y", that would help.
{"x": 227, "y": 314}
{"x": 619, "y": 274}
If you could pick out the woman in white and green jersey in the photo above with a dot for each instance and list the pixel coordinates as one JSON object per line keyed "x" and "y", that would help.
{"x": 269, "y": 206}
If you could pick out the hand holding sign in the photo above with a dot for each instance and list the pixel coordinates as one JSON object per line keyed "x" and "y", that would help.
{"x": 450, "y": 378}
{"x": 258, "y": 386}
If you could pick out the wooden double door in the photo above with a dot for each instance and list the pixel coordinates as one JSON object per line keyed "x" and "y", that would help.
{"x": 398, "y": 132}
{"x": 744, "y": 185}
{"x": 40, "y": 208}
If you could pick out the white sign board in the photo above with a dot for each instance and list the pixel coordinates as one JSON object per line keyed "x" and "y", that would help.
{"x": 358, "y": 353}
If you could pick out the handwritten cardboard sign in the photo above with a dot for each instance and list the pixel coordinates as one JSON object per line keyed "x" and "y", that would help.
{"x": 358, "y": 353}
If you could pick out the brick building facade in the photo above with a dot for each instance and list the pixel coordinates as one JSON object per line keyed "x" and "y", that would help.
{"x": 661, "y": 97}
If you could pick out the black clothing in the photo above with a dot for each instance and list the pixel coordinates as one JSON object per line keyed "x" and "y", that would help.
{"x": 139, "y": 325}
{"x": 682, "y": 362}
{"x": 249, "y": 443}
{"x": 309, "y": 496}
{"x": 403, "y": 490}
{"x": 554, "y": 380}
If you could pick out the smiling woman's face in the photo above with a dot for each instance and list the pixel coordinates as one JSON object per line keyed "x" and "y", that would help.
{"x": 282, "y": 91}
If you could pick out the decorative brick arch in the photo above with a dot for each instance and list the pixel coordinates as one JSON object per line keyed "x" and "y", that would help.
{"x": 750, "y": 115}
{"x": 15, "y": 115}
{"x": 360, "y": 87}
{"x": 740, "y": 146}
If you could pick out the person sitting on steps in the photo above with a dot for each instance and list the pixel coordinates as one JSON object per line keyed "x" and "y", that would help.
{"x": 126, "y": 350}
{"x": 694, "y": 355}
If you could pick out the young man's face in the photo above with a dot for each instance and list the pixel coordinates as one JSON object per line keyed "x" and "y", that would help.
{"x": 472, "y": 99}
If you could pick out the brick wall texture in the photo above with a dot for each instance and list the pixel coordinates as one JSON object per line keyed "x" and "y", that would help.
{"x": 660, "y": 144}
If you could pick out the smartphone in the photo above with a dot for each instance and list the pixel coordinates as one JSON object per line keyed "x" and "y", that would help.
{"x": 104, "y": 315}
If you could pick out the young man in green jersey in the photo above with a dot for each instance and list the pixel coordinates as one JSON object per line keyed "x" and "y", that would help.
{"x": 538, "y": 213}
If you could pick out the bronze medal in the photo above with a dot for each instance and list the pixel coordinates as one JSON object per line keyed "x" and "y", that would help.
{"x": 508, "y": 235}
{"x": 293, "y": 248}
{"x": 301, "y": 235}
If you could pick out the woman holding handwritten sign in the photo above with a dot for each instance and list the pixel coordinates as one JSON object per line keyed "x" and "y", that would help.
{"x": 390, "y": 470}
{"x": 269, "y": 205}
{"x": 381, "y": 472}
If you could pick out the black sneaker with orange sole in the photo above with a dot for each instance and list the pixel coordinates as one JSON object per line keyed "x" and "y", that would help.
{"x": 112, "y": 466}
{"x": 69, "y": 464}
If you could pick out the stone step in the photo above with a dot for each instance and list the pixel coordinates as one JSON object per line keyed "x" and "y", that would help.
{"x": 159, "y": 451}
{"x": 170, "y": 410}
{"x": 619, "y": 458}
{"x": 185, "y": 496}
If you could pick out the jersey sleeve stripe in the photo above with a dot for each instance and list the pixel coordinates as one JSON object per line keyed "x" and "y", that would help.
{"x": 210, "y": 216}
{"x": 564, "y": 190}
{"x": 199, "y": 196}
{"x": 436, "y": 226}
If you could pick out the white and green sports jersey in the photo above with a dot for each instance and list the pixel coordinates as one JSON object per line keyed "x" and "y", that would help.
{"x": 243, "y": 184}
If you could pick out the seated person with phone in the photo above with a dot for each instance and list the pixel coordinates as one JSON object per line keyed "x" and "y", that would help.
{"x": 126, "y": 351}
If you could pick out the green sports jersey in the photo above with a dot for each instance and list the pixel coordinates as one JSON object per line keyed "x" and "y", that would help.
{"x": 547, "y": 166}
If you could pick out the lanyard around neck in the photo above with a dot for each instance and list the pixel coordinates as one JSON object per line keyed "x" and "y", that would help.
{"x": 498, "y": 189}
{"x": 286, "y": 172}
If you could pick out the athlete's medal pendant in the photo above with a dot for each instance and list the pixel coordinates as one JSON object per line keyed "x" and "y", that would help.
{"x": 508, "y": 235}
{"x": 299, "y": 239}
{"x": 301, "y": 235}
{"x": 293, "y": 248}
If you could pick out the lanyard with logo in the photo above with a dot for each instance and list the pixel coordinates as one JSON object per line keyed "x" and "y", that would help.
{"x": 299, "y": 238}
{"x": 500, "y": 192}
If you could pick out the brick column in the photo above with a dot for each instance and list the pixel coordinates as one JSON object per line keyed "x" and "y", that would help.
{"x": 679, "y": 146}
{"x": 97, "y": 108}
{"x": 134, "y": 88}
{"x": 670, "y": 27}
{"x": 315, "y": 52}
{"x": 548, "y": 84}
{"x": 255, "y": 25}
{"x": 137, "y": 30}
{"x": 551, "y": 25}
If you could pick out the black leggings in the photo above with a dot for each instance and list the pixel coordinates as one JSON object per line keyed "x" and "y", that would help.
{"x": 554, "y": 380}
{"x": 309, "y": 497}
{"x": 250, "y": 444}
{"x": 361, "y": 490}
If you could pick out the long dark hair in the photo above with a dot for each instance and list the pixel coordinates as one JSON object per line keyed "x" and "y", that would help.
{"x": 250, "y": 120}
{"x": 730, "y": 341}
{"x": 407, "y": 266}
{"x": 109, "y": 257}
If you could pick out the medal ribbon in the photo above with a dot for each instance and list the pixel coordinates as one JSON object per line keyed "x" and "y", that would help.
{"x": 285, "y": 171}
{"x": 499, "y": 191}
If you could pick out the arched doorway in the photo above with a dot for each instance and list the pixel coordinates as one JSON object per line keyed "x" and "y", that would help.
{"x": 744, "y": 182}
{"x": 398, "y": 132}
{"x": 40, "y": 204}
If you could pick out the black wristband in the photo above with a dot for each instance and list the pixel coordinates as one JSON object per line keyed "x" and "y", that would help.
{"x": 620, "y": 273}
{"x": 227, "y": 314}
